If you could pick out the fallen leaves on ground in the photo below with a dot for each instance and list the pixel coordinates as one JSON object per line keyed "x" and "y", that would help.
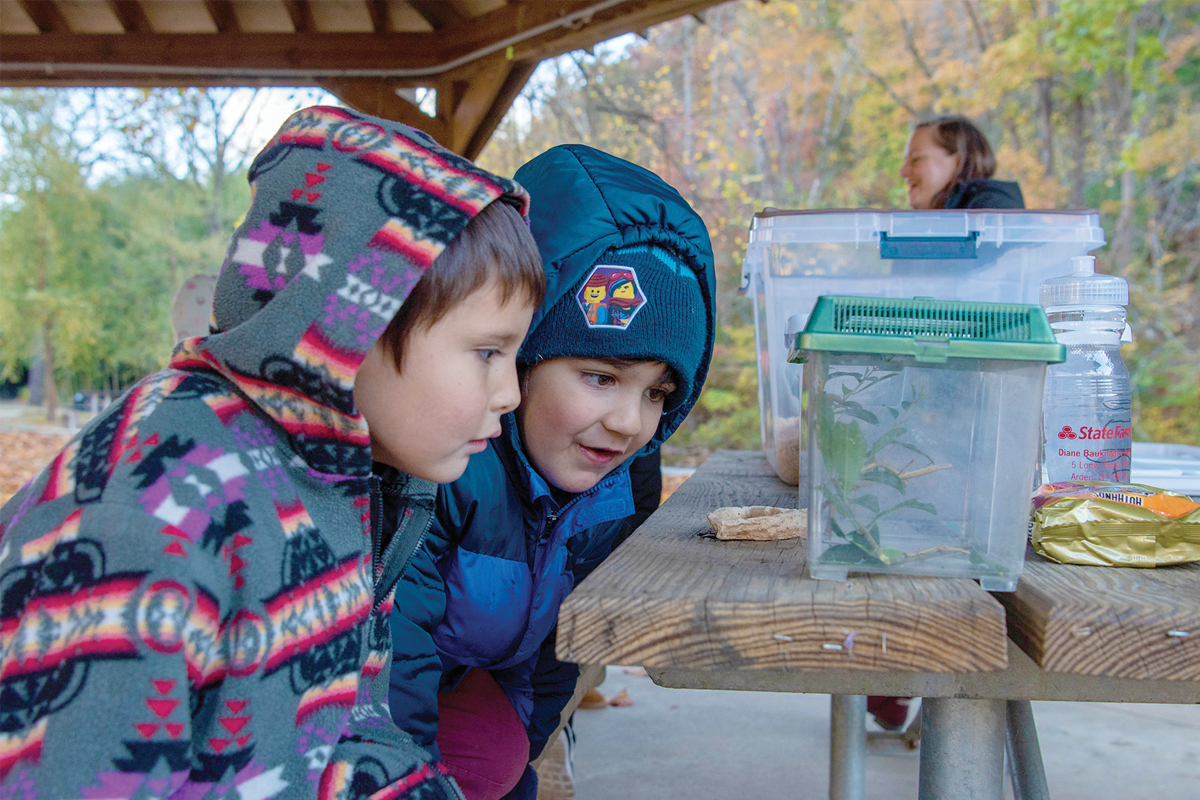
{"x": 22, "y": 455}
{"x": 594, "y": 699}
{"x": 669, "y": 484}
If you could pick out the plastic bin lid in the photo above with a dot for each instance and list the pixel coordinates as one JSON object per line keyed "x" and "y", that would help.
{"x": 861, "y": 225}
{"x": 929, "y": 330}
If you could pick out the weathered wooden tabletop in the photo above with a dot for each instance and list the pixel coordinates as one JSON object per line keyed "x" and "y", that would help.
{"x": 1115, "y": 622}
{"x": 670, "y": 597}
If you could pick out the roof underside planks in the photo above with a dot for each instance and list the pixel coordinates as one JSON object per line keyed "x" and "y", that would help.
{"x": 476, "y": 54}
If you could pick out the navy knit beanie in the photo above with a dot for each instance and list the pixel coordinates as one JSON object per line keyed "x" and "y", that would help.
{"x": 639, "y": 303}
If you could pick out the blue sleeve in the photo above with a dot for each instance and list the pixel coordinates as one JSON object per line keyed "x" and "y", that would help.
{"x": 515, "y": 681}
{"x": 594, "y": 545}
{"x": 552, "y": 683}
{"x": 416, "y": 668}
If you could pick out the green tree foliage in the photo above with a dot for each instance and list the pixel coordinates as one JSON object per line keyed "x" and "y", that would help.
{"x": 808, "y": 105}
{"x": 51, "y": 239}
{"x": 96, "y": 235}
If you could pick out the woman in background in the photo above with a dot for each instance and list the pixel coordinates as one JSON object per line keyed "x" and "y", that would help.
{"x": 948, "y": 163}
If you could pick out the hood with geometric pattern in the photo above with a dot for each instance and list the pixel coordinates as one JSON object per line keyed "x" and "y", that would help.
{"x": 348, "y": 211}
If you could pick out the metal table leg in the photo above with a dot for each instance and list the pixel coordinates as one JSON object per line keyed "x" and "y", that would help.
{"x": 847, "y": 746}
{"x": 962, "y": 749}
{"x": 1025, "y": 768}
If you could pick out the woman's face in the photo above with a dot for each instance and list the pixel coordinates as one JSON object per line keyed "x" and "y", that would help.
{"x": 927, "y": 168}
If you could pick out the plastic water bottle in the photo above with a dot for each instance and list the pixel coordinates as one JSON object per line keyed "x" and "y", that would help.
{"x": 1086, "y": 408}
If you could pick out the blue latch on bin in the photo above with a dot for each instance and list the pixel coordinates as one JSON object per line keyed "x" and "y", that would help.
{"x": 928, "y": 247}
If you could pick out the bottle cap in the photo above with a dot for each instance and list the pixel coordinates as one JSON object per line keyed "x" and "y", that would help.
{"x": 1084, "y": 286}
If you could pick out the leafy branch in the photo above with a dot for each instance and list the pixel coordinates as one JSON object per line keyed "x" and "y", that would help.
{"x": 853, "y": 465}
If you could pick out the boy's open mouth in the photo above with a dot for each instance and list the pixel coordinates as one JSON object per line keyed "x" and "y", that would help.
{"x": 600, "y": 455}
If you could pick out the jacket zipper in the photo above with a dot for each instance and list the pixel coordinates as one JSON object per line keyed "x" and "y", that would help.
{"x": 377, "y": 541}
{"x": 549, "y": 523}
{"x": 375, "y": 494}
{"x": 551, "y": 519}
{"x": 411, "y": 554}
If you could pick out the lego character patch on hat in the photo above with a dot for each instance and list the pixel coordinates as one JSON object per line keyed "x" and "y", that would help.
{"x": 611, "y": 297}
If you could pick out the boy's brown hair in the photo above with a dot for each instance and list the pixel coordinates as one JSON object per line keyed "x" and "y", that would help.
{"x": 495, "y": 244}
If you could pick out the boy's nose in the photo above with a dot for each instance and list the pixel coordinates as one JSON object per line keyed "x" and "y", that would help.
{"x": 624, "y": 417}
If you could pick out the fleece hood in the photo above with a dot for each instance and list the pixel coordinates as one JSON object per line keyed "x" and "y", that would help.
{"x": 348, "y": 212}
{"x": 587, "y": 205}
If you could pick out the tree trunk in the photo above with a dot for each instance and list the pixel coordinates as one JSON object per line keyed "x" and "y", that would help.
{"x": 49, "y": 387}
{"x": 1078, "y": 150}
{"x": 689, "y": 131}
{"x": 815, "y": 189}
{"x": 1046, "y": 113}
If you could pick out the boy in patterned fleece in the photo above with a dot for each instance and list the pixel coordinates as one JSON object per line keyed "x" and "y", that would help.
{"x": 194, "y": 593}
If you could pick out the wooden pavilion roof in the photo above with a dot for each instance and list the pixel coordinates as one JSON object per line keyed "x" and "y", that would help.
{"x": 476, "y": 54}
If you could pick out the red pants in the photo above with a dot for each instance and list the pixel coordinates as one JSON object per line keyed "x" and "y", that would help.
{"x": 483, "y": 742}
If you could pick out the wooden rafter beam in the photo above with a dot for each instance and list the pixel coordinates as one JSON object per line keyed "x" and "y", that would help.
{"x": 237, "y": 58}
{"x": 300, "y": 14}
{"x": 379, "y": 99}
{"x": 605, "y": 24}
{"x": 202, "y": 56}
{"x": 46, "y": 15}
{"x": 438, "y": 13}
{"x": 131, "y": 15}
{"x": 518, "y": 76}
{"x": 222, "y": 15}
{"x": 380, "y": 21}
{"x": 568, "y": 25}
{"x": 464, "y": 103}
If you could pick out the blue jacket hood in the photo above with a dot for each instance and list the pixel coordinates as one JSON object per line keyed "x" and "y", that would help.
{"x": 585, "y": 202}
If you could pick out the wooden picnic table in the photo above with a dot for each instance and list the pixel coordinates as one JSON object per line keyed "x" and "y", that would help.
{"x": 708, "y": 614}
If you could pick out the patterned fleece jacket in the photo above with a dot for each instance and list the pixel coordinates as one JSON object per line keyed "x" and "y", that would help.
{"x": 194, "y": 593}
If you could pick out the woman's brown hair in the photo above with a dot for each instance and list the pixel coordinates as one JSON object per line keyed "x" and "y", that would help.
{"x": 959, "y": 136}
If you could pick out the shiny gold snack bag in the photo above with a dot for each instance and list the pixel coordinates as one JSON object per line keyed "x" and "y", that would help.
{"x": 1114, "y": 525}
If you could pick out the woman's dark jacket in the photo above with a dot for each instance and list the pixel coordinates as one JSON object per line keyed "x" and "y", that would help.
{"x": 485, "y": 588}
{"x": 985, "y": 193}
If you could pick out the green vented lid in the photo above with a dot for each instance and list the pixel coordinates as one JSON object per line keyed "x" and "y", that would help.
{"x": 928, "y": 330}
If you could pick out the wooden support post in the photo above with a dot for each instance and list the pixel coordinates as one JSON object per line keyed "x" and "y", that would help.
{"x": 379, "y": 98}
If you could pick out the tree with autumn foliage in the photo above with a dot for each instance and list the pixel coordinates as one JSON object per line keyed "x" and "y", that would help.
{"x": 1089, "y": 103}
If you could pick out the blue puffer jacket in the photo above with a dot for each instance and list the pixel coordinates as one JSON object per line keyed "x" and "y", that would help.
{"x": 503, "y": 553}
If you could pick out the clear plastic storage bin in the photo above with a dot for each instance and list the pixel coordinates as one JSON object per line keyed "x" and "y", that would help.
{"x": 795, "y": 256}
{"x": 925, "y": 420}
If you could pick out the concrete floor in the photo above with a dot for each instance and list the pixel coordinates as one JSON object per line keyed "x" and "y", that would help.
{"x": 715, "y": 745}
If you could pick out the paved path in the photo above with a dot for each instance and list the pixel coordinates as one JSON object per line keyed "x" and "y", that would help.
{"x": 710, "y": 745}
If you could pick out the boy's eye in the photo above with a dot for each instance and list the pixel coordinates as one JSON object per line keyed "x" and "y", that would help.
{"x": 597, "y": 379}
{"x": 659, "y": 394}
{"x": 486, "y": 354}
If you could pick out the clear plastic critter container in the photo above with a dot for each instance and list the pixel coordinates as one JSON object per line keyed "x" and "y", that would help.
{"x": 925, "y": 421}
{"x": 793, "y": 257}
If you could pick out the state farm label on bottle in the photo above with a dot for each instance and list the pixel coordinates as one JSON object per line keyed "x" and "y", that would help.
{"x": 1087, "y": 452}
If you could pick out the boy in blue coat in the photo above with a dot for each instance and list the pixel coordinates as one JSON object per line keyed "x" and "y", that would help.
{"x": 474, "y": 672}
